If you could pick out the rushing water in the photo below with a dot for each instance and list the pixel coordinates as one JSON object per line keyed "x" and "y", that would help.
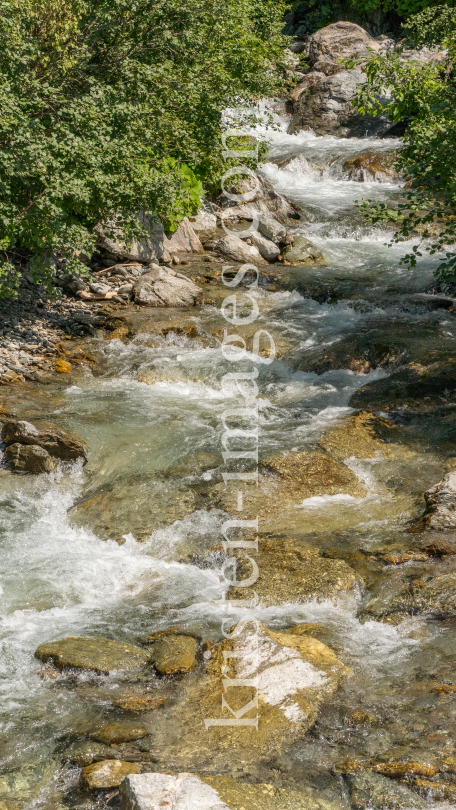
{"x": 152, "y": 443}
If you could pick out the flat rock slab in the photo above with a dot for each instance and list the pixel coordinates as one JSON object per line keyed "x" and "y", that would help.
{"x": 99, "y": 654}
{"x": 109, "y": 774}
{"x": 163, "y": 287}
{"x": 156, "y": 791}
{"x": 174, "y": 654}
{"x": 54, "y": 440}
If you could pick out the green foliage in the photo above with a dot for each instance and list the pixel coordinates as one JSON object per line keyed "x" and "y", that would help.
{"x": 108, "y": 107}
{"x": 424, "y": 95}
{"x": 316, "y": 14}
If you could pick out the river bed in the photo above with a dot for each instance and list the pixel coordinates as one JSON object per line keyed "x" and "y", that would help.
{"x": 144, "y": 564}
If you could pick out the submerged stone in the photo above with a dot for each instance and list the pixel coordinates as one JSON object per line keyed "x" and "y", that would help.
{"x": 288, "y": 573}
{"x": 312, "y": 474}
{"x": 414, "y": 387}
{"x": 427, "y": 588}
{"x": 240, "y": 795}
{"x": 362, "y": 435}
{"x": 109, "y": 774}
{"x": 173, "y": 654}
{"x": 114, "y": 733}
{"x": 99, "y": 654}
{"x": 83, "y": 754}
{"x": 370, "y": 791}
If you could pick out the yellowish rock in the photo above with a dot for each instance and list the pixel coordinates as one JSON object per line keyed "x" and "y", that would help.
{"x": 362, "y": 435}
{"x": 173, "y": 654}
{"x": 107, "y": 774}
{"x": 63, "y": 366}
{"x": 243, "y": 796}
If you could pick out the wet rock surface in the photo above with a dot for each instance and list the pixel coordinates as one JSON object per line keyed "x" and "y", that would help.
{"x": 174, "y": 654}
{"x": 368, "y": 790}
{"x": 109, "y": 774}
{"x": 99, "y": 654}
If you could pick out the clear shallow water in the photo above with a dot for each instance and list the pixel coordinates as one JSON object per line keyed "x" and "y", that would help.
{"x": 153, "y": 444}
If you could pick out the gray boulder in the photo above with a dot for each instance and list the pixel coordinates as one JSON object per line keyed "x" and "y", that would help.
{"x": 57, "y": 442}
{"x": 163, "y": 287}
{"x": 24, "y": 458}
{"x": 326, "y": 108}
{"x": 257, "y": 195}
{"x": 150, "y": 248}
{"x": 268, "y": 249}
{"x": 271, "y": 229}
{"x": 341, "y": 40}
{"x": 235, "y": 250}
{"x": 184, "y": 239}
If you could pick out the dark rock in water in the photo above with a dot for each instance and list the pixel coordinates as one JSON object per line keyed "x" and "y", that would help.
{"x": 174, "y": 654}
{"x": 414, "y": 387}
{"x": 357, "y": 355}
{"x": 56, "y": 441}
{"x": 99, "y": 654}
{"x": 84, "y": 753}
{"x": 374, "y": 792}
{"x": 115, "y": 733}
{"x": 440, "y": 514}
{"x": 427, "y": 588}
{"x": 29, "y": 459}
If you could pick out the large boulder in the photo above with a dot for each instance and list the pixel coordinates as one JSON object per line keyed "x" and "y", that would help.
{"x": 440, "y": 514}
{"x": 235, "y": 250}
{"x": 54, "y": 440}
{"x": 303, "y": 252}
{"x": 341, "y": 40}
{"x": 184, "y": 239}
{"x": 23, "y": 458}
{"x": 150, "y": 248}
{"x": 99, "y": 654}
{"x": 293, "y": 675}
{"x": 163, "y": 287}
{"x": 326, "y": 108}
{"x": 257, "y": 195}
